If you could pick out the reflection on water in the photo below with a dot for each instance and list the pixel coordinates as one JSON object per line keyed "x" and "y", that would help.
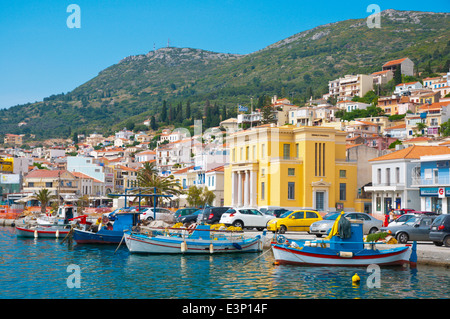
{"x": 32, "y": 268}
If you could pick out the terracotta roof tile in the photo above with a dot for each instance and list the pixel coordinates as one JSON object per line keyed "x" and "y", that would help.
{"x": 217, "y": 169}
{"x": 413, "y": 152}
{"x": 394, "y": 62}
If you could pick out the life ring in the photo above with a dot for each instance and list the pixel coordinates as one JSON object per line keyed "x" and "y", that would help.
{"x": 281, "y": 239}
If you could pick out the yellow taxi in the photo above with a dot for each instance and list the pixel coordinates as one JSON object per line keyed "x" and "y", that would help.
{"x": 298, "y": 220}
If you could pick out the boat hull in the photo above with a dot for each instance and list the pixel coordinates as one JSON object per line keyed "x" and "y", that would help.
{"x": 327, "y": 257}
{"x": 42, "y": 232}
{"x": 101, "y": 237}
{"x": 137, "y": 243}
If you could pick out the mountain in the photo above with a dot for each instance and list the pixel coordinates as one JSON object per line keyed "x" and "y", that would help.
{"x": 136, "y": 87}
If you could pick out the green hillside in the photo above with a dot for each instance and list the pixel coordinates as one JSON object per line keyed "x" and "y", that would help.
{"x": 135, "y": 88}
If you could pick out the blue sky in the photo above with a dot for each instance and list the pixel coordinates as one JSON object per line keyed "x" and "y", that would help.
{"x": 41, "y": 56}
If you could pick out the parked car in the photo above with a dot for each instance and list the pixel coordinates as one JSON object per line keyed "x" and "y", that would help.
{"x": 416, "y": 228}
{"x": 404, "y": 218}
{"x": 185, "y": 211}
{"x": 440, "y": 230}
{"x": 298, "y": 220}
{"x": 245, "y": 218}
{"x": 401, "y": 219}
{"x": 277, "y": 212}
{"x": 322, "y": 227}
{"x": 192, "y": 218}
{"x": 148, "y": 214}
{"x": 212, "y": 215}
{"x": 402, "y": 211}
{"x": 423, "y": 212}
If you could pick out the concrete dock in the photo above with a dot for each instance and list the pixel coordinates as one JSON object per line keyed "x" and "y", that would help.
{"x": 7, "y": 222}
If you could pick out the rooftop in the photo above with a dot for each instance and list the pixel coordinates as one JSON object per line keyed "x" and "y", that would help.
{"x": 413, "y": 152}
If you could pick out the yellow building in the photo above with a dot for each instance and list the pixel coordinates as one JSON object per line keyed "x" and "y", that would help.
{"x": 291, "y": 167}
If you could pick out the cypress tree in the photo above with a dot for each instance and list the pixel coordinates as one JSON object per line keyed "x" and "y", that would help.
{"x": 188, "y": 110}
{"x": 153, "y": 125}
{"x": 397, "y": 76}
{"x": 164, "y": 112}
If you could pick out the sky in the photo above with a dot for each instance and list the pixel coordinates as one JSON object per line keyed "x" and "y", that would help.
{"x": 41, "y": 55}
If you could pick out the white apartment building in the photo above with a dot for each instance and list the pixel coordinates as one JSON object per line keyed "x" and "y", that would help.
{"x": 350, "y": 85}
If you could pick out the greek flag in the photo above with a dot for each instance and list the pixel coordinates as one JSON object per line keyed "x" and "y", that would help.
{"x": 242, "y": 108}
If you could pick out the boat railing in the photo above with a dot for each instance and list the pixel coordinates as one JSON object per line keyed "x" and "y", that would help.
{"x": 186, "y": 232}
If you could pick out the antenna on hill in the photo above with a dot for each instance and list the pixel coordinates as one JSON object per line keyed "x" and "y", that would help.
{"x": 168, "y": 43}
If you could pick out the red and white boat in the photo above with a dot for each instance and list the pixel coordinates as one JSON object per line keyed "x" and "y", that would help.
{"x": 39, "y": 231}
{"x": 338, "y": 251}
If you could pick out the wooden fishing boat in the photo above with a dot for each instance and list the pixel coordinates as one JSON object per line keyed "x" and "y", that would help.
{"x": 338, "y": 251}
{"x": 62, "y": 216}
{"x": 40, "y": 231}
{"x": 110, "y": 231}
{"x": 199, "y": 240}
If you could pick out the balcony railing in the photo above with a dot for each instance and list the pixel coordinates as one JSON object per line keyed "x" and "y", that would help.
{"x": 435, "y": 181}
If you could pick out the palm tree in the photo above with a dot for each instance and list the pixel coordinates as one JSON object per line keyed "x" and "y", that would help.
{"x": 420, "y": 127}
{"x": 148, "y": 180}
{"x": 44, "y": 196}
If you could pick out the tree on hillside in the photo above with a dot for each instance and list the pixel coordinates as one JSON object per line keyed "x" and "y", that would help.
{"x": 164, "y": 112}
{"x": 188, "y": 110}
{"x": 153, "y": 125}
{"x": 267, "y": 115}
{"x": 445, "y": 128}
{"x": 397, "y": 76}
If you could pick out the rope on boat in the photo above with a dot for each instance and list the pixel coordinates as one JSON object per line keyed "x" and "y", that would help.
{"x": 257, "y": 257}
{"x": 119, "y": 243}
{"x": 69, "y": 234}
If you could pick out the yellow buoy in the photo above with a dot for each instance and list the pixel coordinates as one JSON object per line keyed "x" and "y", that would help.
{"x": 57, "y": 233}
{"x": 35, "y": 234}
{"x": 356, "y": 278}
{"x": 211, "y": 248}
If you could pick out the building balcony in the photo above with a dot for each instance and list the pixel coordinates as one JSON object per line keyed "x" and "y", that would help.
{"x": 437, "y": 181}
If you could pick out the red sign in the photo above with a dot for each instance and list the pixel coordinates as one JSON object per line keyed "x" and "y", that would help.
{"x": 441, "y": 192}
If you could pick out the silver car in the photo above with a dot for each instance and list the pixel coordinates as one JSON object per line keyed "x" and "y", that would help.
{"x": 416, "y": 228}
{"x": 322, "y": 227}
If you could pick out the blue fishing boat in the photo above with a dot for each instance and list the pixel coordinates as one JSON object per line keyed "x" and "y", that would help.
{"x": 339, "y": 250}
{"x": 199, "y": 240}
{"x": 109, "y": 231}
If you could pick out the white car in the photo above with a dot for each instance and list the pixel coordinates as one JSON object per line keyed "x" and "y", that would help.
{"x": 245, "y": 218}
{"x": 161, "y": 214}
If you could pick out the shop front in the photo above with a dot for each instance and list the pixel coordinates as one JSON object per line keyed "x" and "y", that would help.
{"x": 435, "y": 199}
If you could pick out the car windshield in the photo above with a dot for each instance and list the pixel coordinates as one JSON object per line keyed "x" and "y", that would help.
{"x": 332, "y": 216}
{"x": 411, "y": 221}
{"x": 286, "y": 214}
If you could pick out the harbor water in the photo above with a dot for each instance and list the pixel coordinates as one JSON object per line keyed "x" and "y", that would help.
{"x": 48, "y": 269}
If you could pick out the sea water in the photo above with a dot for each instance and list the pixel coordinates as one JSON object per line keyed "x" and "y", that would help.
{"x": 49, "y": 269}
